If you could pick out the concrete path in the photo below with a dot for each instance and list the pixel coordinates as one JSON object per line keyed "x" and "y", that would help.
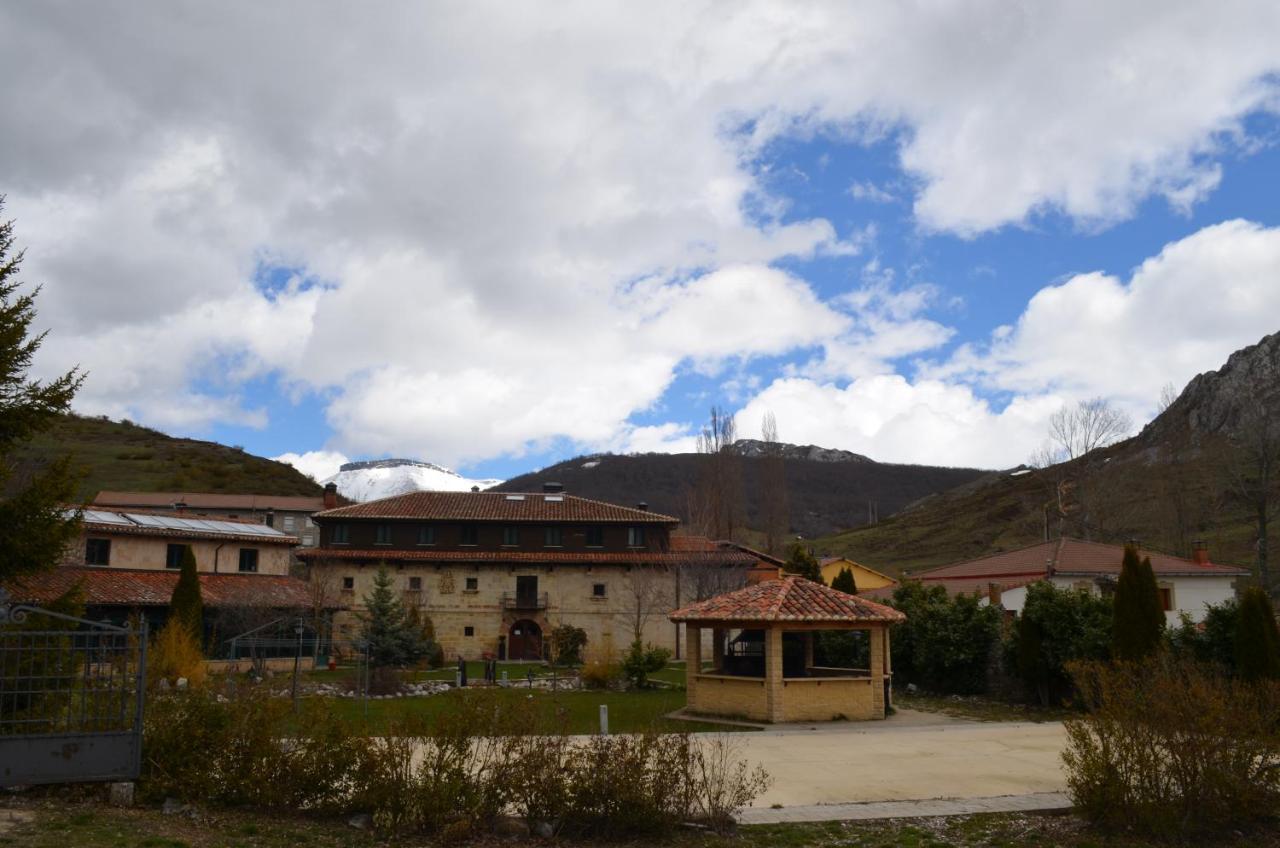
{"x": 836, "y": 770}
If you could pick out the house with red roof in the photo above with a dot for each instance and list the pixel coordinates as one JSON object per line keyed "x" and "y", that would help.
{"x": 496, "y": 571}
{"x": 1186, "y": 585}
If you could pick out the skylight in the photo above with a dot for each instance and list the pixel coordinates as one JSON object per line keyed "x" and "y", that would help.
{"x": 515, "y": 497}
{"x": 553, "y": 498}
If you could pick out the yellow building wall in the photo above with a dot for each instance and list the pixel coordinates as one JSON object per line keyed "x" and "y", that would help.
{"x": 149, "y": 552}
{"x": 863, "y": 577}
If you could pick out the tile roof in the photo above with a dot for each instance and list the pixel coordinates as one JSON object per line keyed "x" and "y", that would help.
{"x": 210, "y": 500}
{"x": 723, "y": 557}
{"x": 681, "y": 542}
{"x": 143, "y": 588}
{"x": 788, "y": 599}
{"x": 1066, "y": 556}
{"x": 496, "y": 506}
{"x": 172, "y": 526}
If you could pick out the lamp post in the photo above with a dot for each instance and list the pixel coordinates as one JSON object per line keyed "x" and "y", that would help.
{"x": 297, "y": 660}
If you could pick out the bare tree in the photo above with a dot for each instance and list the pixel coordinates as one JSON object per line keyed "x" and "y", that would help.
{"x": 1069, "y": 459}
{"x": 650, "y": 592}
{"x": 1251, "y": 465}
{"x": 773, "y": 495}
{"x": 1077, "y": 431}
{"x": 716, "y": 501}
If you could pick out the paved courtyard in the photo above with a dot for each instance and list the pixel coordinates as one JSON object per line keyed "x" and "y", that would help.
{"x": 890, "y": 768}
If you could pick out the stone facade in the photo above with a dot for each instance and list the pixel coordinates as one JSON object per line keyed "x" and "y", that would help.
{"x": 151, "y": 553}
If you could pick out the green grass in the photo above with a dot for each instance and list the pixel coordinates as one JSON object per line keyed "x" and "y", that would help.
{"x": 60, "y": 822}
{"x": 121, "y": 455}
{"x": 673, "y": 674}
{"x": 629, "y": 712}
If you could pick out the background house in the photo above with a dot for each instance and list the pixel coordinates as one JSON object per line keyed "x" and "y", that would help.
{"x": 289, "y": 514}
{"x": 864, "y": 578}
{"x": 496, "y": 571}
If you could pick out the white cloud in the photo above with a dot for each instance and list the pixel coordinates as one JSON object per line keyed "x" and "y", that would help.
{"x": 869, "y": 191}
{"x": 318, "y": 465}
{"x": 528, "y": 220}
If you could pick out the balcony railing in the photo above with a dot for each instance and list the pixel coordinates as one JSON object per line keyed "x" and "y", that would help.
{"x": 524, "y": 600}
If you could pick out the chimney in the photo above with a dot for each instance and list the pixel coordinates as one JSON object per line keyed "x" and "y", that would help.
{"x": 180, "y": 507}
{"x": 994, "y": 594}
{"x": 330, "y": 495}
{"x": 643, "y": 506}
{"x": 1200, "y": 553}
{"x": 475, "y": 489}
{"x": 762, "y": 572}
{"x": 552, "y": 488}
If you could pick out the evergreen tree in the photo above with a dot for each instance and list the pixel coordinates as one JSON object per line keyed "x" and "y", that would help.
{"x": 802, "y": 563}
{"x": 187, "y": 606}
{"x": 1257, "y": 638}
{"x": 1138, "y": 623}
{"x": 844, "y": 582}
{"x": 393, "y": 639}
{"x": 34, "y": 527}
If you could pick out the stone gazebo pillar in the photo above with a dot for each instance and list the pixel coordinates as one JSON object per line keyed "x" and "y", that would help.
{"x": 773, "y": 686}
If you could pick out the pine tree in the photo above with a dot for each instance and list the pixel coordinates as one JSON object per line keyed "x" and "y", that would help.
{"x": 1257, "y": 637}
{"x": 1138, "y": 619}
{"x": 187, "y": 604}
{"x": 802, "y": 563}
{"x": 844, "y": 582}
{"x": 393, "y": 639}
{"x": 34, "y": 526}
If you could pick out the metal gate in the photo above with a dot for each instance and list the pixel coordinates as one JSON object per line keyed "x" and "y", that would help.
{"x": 71, "y": 697}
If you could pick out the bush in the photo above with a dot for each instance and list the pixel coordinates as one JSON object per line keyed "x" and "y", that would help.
{"x": 1057, "y": 627}
{"x": 567, "y": 643}
{"x": 1171, "y": 747}
{"x": 601, "y": 674}
{"x": 174, "y": 653}
{"x": 945, "y": 644}
{"x": 1257, "y": 639}
{"x": 643, "y": 660}
{"x": 1213, "y": 641}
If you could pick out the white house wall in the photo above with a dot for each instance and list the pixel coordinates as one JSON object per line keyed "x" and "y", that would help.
{"x": 1190, "y": 594}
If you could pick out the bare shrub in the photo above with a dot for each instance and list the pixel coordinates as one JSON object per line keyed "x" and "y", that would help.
{"x": 1172, "y": 747}
{"x": 722, "y": 783}
{"x": 175, "y": 653}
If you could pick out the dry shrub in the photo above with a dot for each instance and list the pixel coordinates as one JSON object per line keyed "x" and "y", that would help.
{"x": 602, "y": 669}
{"x": 1171, "y": 747}
{"x": 175, "y": 652}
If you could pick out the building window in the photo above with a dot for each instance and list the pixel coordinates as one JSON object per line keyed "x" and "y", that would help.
{"x": 382, "y": 535}
{"x": 288, "y": 523}
{"x": 473, "y": 584}
{"x": 341, "y": 534}
{"x": 598, "y": 590}
{"x": 97, "y": 551}
{"x": 249, "y": 559}
{"x": 468, "y": 631}
{"x": 173, "y": 556}
{"x": 510, "y": 535}
{"x": 415, "y": 584}
{"x": 554, "y": 537}
{"x": 308, "y": 523}
{"x": 635, "y": 537}
{"x": 348, "y": 584}
{"x": 1166, "y": 598}
{"x": 595, "y": 537}
{"x": 470, "y": 535}
{"x": 426, "y": 535}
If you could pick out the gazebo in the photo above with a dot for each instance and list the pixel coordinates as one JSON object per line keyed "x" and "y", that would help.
{"x": 759, "y": 671}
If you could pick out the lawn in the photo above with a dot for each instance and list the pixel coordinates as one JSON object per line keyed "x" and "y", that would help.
{"x": 57, "y": 820}
{"x": 672, "y": 675}
{"x": 629, "y": 712}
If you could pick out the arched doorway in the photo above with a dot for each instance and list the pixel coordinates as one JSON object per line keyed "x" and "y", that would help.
{"x": 525, "y": 641}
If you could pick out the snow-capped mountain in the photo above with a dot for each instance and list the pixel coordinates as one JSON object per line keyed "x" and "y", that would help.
{"x": 382, "y": 478}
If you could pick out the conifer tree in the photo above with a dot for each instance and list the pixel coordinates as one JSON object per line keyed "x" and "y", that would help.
{"x": 1138, "y": 622}
{"x": 844, "y": 582}
{"x": 187, "y": 605}
{"x": 1257, "y": 637}
{"x": 393, "y": 639}
{"x": 34, "y": 526}
{"x": 803, "y": 564}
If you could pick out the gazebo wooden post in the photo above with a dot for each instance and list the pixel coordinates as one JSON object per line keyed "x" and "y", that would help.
{"x": 773, "y": 672}
{"x": 878, "y": 634}
{"x": 692, "y": 658}
{"x": 718, "y": 639}
{"x": 888, "y": 670}
{"x": 808, "y": 650}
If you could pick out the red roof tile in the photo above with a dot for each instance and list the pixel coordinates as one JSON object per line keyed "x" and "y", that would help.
{"x": 723, "y": 557}
{"x": 142, "y": 588}
{"x": 496, "y": 506}
{"x": 1065, "y": 557}
{"x": 789, "y": 599}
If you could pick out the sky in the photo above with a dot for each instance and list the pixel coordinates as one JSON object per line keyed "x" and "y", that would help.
{"x": 494, "y": 236}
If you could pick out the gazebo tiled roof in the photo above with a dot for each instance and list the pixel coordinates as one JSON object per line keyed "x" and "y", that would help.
{"x": 787, "y": 599}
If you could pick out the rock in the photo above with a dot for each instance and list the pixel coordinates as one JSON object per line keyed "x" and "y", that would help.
{"x": 361, "y": 821}
{"x": 120, "y": 794}
{"x": 912, "y": 688}
{"x": 544, "y": 829}
{"x": 182, "y": 683}
{"x": 172, "y": 806}
{"x": 510, "y": 827}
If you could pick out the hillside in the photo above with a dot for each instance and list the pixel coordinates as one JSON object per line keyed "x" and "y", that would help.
{"x": 1167, "y": 486}
{"x": 827, "y": 490}
{"x": 127, "y": 457}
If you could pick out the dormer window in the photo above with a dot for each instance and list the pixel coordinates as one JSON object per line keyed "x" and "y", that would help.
{"x": 635, "y": 537}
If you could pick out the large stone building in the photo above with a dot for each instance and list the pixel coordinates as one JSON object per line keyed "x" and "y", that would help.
{"x": 496, "y": 571}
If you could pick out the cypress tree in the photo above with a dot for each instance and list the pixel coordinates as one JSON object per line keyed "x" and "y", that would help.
{"x": 844, "y": 582}
{"x": 802, "y": 563}
{"x": 35, "y": 528}
{"x": 187, "y": 605}
{"x": 1257, "y": 637}
{"x": 1138, "y": 622}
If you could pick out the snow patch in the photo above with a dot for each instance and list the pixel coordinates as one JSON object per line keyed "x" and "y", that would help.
{"x": 384, "y": 478}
